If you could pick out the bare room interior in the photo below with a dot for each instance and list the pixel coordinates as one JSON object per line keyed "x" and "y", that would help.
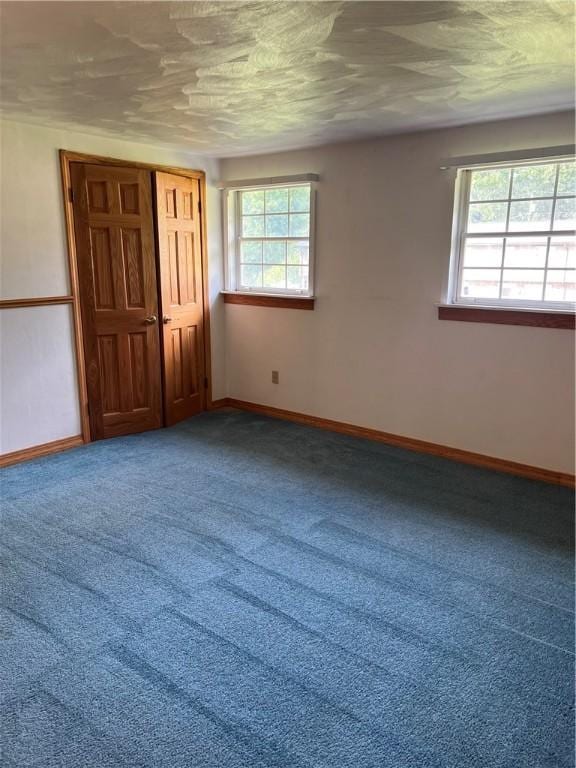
{"x": 287, "y": 312}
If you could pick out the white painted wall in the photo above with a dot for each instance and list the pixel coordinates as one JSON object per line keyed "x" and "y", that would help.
{"x": 38, "y": 385}
{"x": 38, "y": 400}
{"x": 373, "y": 352}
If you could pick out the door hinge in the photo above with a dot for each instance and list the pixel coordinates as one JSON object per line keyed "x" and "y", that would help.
{"x": 70, "y": 194}
{"x": 205, "y": 382}
{"x": 199, "y": 207}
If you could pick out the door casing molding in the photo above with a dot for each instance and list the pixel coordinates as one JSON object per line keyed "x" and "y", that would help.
{"x": 66, "y": 158}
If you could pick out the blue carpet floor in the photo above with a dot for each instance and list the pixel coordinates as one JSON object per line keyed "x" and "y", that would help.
{"x": 240, "y": 592}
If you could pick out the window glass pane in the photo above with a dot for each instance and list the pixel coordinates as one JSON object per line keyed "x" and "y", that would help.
{"x": 492, "y": 184}
{"x": 531, "y": 260}
{"x": 297, "y": 252}
{"x": 276, "y": 201}
{"x": 300, "y": 199}
{"x": 561, "y": 285}
{"x": 480, "y": 283}
{"x": 297, "y": 278}
{"x": 299, "y": 224}
{"x": 487, "y": 217}
{"x": 277, "y": 225}
{"x": 251, "y": 252}
{"x": 275, "y": 252}
{"x": 251, "y": 276}
{"x": 534, "y": 181}
{"x": 253, "y": 202}
{"x": 565, "y": 213}
{"x": 483, "y": 252}
{"x": 562, "y": 252}
{"x": 567, "y": 179}
{"x": 252, "y": 226}
{"x": 530, "y": 215}
{"x": 275, "y": 277}
{"x": 274, "y": 231}
{"x": 522, "y": 283}
{"x": 525, "y": 252}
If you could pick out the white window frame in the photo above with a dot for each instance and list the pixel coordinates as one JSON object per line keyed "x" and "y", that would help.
{"x": 232, "y": 233}
{"x": 459, "y": 235}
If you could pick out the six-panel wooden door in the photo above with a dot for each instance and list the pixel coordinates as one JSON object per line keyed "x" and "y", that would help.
{"x": 114, "y": 236}
{"x": 181, "y": 295}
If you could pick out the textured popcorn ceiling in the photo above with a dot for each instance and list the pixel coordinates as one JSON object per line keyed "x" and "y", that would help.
{"x": 235, "y": 77}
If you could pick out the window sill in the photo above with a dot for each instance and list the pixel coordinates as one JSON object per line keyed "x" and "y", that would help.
{"x": 268, "y": 300}
{"x": 539, "y": 318}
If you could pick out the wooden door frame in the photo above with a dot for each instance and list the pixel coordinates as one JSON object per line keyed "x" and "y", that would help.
{"x": 66, "y": 158}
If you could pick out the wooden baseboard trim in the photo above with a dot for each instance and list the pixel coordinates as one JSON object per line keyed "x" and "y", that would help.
{"x": 36, "y": 451}
{"x": 223, "y": 402}
{"x": 409, "y": 443}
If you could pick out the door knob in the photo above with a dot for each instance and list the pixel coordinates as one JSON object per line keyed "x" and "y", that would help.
{"x": 166, "y": 319}
{"x": 150, "y": 320}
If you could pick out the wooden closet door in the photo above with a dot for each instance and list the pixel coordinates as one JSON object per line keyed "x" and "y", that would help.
{"x": 180, "y": 254}
{"x": 119, "y": 299}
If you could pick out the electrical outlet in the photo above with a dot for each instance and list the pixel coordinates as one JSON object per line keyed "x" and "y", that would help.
{"x": 275, "y": 377}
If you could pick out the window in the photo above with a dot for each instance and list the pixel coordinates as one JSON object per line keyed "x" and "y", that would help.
{"x": 269, "y": 239}
{"x": 515, "y": 239}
